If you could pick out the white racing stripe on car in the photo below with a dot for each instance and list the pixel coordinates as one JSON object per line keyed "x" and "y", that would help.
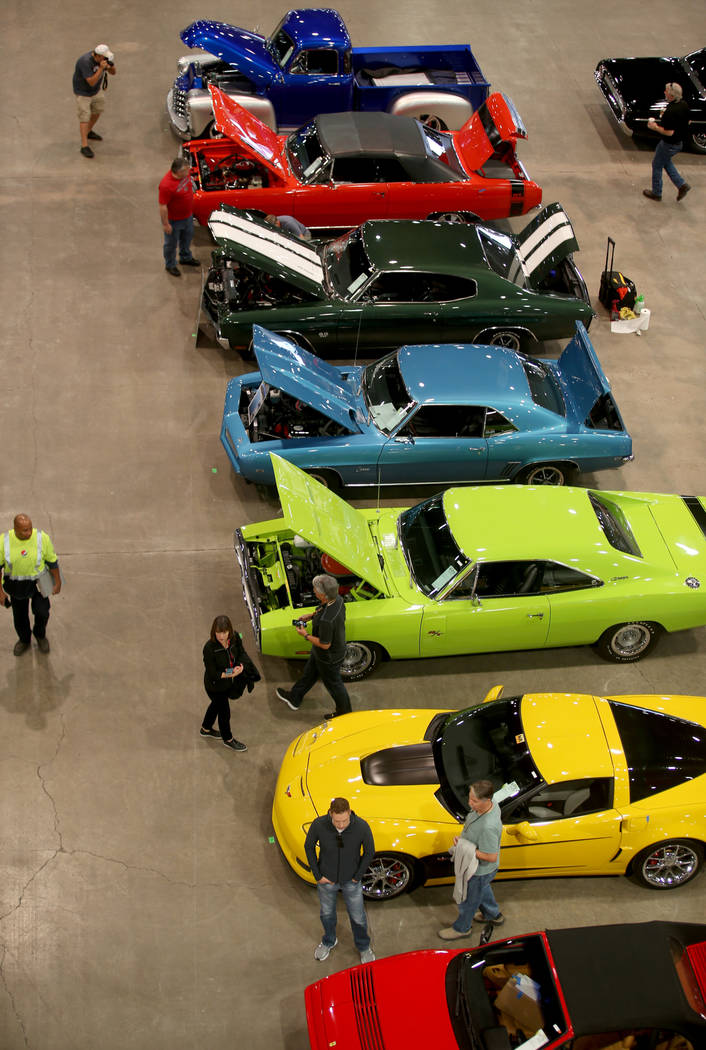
{"x": 543, "y": 242}
{"x": 298, "y": 257}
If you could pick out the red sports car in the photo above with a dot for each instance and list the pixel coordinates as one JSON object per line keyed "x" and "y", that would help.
{"x": 343, "y": 168}
{"x": 636, "y": 985}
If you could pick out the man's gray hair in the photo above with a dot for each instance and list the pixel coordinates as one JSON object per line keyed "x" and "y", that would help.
{"x": 676, "y": 90}
{"x": 327, "y": 586}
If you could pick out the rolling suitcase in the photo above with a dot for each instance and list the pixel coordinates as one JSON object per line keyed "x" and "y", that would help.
{"x": 616, "y": 289}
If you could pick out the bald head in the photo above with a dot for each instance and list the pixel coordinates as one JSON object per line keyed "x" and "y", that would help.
{"x": 22, "y": 526}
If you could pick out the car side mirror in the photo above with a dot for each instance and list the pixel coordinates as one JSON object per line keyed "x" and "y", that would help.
{"x": 524, "y": 831}
{"x": 475, "y": 601}
{"x": 405, "y": 439}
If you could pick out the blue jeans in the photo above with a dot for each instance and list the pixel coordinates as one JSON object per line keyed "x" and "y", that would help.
{"x": 353, "y": 896}
{"x": 182, "y": 233}
{"x": 663, "y": 160}
{"x": 478, "y": 895}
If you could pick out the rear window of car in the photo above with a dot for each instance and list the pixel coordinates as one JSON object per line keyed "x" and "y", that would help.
{"x": 543, "y": 387}
{"x": 614, "y": 524}
{"x": 661, "y": 751}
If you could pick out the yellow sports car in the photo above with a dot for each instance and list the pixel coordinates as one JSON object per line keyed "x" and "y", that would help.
{"x": 587, "y": 785}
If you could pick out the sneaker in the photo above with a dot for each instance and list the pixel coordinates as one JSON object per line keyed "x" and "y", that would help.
{"x": 173, "y": 270}
{"x": 95, "y": 136}
{"x": 322, "y": 951}
{"x": 367, "y": 956}
{"x": 652, "y": 196}
{"x": 189, "y": 262}
{"x": 235, "y": 745}
{"x": 43, "y": 644}
{"x": 208, "y": 732}
{"x": 682, "y": 191}
{"x": 480, "y": 917}
{"x": 86, "y": 151}
{"x": 450, "y": 934}
{"x": 286, "y": 697}
{"x": 20, "y": 647}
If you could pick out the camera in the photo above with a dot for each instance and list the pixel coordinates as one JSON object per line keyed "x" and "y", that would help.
{"x": 299, "y": 623}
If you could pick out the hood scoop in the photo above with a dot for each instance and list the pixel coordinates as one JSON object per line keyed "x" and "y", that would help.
{"x": 408, "y": 764}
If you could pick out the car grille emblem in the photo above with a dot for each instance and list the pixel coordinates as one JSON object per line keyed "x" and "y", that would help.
{"x": 691, "y": 581}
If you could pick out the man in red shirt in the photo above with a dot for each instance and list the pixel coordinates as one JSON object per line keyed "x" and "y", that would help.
{"x": 176, "y": 207}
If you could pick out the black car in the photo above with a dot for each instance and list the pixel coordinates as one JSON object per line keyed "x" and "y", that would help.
{"x": 634, "y": 90}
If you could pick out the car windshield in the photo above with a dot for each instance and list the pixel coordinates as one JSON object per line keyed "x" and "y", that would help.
{"x": 433, "y": 556}
{"x": 614, "y": 524}
{"x": 486, "y": 742}
{"x": 439, "y": 145}
{"x": 347, "y": 265}
{"x": 306, "y": 153}
{"x": 385, "y": 394}
{"x": 544, "y": 387}
{"x": 697, "y": 62}
{"x": 481, "y": 984}
{"x": 280, "y": 45}
{"x": 502, "y": 256}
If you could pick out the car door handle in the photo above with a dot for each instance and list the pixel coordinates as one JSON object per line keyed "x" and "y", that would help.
{"x": 379, "y": 193}
{"x": 535, "y": 616}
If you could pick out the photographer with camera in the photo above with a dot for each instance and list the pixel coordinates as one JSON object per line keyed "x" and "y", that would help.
{"x": 328, "y": 638}
{"x": 90, "y": 77}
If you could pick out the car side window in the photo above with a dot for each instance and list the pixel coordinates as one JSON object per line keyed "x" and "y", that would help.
{"x": 355, "y": 169}
{"x": 496, "y": 423}
{"x": 570, "y": 798}
{"x": 448, "y": 421}
{"x": 557, "y": 578}
{"x": 322, "y": 61}
{"x": 404, "y": 287}
{"x": 505, "y": 579}
{"x": 390, "y": 169}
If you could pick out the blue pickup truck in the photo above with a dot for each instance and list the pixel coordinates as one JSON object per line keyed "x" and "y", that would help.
{"x": 308, "y": 66}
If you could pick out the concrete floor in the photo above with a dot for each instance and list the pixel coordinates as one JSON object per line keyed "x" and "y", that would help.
{"x": 143, "y": 905}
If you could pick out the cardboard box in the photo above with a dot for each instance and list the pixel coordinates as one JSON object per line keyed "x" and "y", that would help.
{"x": 519, "y": 997}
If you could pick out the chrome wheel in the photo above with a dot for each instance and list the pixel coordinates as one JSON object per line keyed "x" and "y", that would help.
{"x": 359, "y": 660}
{"x": 698, "y": 142}
{"x": 387, "y": 877}
{"x": 430, "y": 120}
{"x": 545, "y": 474}
{"x": 630, "y": 640}
{"x": 669, "y": 865}
{"x": 509, "y": 339}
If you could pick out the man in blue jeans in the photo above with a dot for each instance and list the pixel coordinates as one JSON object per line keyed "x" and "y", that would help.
{"x": 346, "y": 849}
{"x": 673, "y": 126}
{"x": 483, "y": 828}
{"x": 176, "y": 210}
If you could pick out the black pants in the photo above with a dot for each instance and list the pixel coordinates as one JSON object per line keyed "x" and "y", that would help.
{"x": 20, "y": 615}
{"x": 218, "y": 708}
{"x": 330, "y": 675}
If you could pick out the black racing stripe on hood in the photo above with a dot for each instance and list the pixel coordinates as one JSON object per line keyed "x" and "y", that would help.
{"x": 697, "y": 511}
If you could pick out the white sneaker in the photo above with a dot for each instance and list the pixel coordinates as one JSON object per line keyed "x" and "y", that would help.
{"x": 367, "y": 956}
{"x": 322, "y": 951}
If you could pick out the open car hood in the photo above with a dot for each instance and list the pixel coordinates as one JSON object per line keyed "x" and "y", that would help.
{"x": 244, "y": 51}
{"x": 307, "y": 378}
{"x": 494, "y": 128}
{"x": 253, "y": 241}
{"x": 253, "y": 138}
{"x": 545, "y": 242}
{"x": 582, "y": 375}
{"x": 324, "y": 519}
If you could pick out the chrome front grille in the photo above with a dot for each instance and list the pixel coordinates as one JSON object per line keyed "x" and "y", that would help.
{"x": 179, "y": 102}
{"x": 366, "y": 1010}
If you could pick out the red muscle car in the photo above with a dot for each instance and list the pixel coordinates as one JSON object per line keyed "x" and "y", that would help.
{"x": 343, "y": 168}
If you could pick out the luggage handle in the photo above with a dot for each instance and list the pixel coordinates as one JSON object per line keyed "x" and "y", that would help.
{"x": 608, "y": 268}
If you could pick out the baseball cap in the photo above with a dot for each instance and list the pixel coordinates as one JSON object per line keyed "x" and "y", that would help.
{"x": 104, "y": 50}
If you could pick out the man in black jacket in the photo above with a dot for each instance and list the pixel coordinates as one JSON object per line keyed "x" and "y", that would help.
{"x": 674, "y": 129}
{"x": 346, "y": 849}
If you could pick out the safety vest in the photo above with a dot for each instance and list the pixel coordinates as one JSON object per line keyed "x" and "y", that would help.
{"x": 38, "y": 564}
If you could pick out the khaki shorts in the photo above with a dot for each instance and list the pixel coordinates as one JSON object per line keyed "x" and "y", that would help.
{"x": 88, "y": 107}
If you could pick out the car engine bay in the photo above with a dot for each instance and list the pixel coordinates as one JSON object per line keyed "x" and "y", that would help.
{"x": 284, "y": 417}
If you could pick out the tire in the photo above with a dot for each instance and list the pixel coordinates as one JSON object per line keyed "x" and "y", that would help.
{"x": 389, "y": 875}
{"x": 328, "y": 478}
{"x": 667, "y": 865}
{"x": 623, "y": 643}
{"x": 466, "y": 217}
{"x": 431, "y": 120}
{"x": 544, "y": 474}
{"x": 300, "y": 340}
{"x": 698, "y": 142}
{"x": 360, "y": 660}
{"x": 503, "y": 337}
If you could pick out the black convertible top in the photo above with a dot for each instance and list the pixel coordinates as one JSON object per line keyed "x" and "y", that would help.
{"x": 618, "y": 977}
{"x": 377, "y": 134}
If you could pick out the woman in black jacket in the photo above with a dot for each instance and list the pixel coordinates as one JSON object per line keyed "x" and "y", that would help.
{"x": 229, "y": 672}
